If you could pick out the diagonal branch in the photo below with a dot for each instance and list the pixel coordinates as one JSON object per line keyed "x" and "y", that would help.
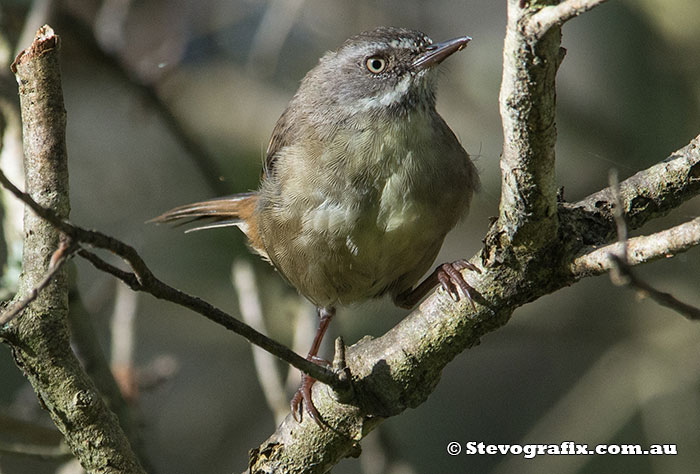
{"x": 648, "y": 194}
{"x": 621, "y": 273}
{"x": 615, "y": 258}
{"x": 661, "y": 297}
{"x": 400, "y": 369}
{"x": 142, "y": 279}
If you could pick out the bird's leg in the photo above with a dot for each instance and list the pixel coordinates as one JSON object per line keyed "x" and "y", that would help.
{"x": 302, "y": 399}
{"x": 448, "y": 275}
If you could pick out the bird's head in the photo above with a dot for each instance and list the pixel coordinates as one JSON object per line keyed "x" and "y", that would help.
{"x": 386, "y": 70}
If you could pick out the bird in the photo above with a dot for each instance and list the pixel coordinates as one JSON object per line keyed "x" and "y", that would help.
{"x": 362, "y": 180}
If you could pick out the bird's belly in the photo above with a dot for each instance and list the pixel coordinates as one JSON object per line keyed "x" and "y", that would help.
{"x": 351, "y": 249}
{"x": 355, "y": 261}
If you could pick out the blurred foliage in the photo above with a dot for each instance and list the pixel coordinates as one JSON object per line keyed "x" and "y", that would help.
{"x": 592, "y": 364}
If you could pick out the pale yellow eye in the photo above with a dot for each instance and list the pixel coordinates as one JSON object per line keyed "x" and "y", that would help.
{"x": 375, "y": 64}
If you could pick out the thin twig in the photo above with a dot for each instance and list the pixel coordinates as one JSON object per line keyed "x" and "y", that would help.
{"x": 618, "y": 212}
{"x": 621, "y": 272}
{"x": 59, "y": 258}
{"x": 552, "y": 15}
{"x": 661, "y": 297}
{"x": 142, "y": 279}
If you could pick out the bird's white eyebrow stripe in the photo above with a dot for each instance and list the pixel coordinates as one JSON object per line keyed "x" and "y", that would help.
{"x": 410, "y": 43}
{"x": 399, "y": 43}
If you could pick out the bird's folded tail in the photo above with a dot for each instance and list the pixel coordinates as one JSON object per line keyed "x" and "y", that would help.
{"x": 237, "y": 210}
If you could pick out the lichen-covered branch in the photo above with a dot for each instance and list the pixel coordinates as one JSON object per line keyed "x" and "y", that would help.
{"x": 400, "y": 369}
{"x": 527, "y": 216}
{"x": 528, "y": 254}
{"x": 616, "y": 258}
{"x": 39, "y": 338}
{"x": 648, "y": 194}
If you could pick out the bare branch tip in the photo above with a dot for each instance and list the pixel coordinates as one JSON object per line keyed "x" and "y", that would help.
{"x": 344, "y": 392}
{"x": 46, "y": 39}
{"x": 339, "y": 362}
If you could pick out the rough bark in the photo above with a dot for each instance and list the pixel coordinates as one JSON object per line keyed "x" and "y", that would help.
{"x": 39, "y": 338}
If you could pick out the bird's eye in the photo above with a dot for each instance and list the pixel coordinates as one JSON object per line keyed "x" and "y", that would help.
{"x": 375, "y": 64}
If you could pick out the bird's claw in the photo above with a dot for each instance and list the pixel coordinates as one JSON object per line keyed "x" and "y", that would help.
{"x": 302, "y": 401}
{"x": 450, "y": 277}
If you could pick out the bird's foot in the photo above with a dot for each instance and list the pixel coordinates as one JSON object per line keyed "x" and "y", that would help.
{"x": 450, "y": 277}
{"x": 302, "y": 400}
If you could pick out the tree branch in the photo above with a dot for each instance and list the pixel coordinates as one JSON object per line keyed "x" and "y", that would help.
{"x": 648, "y": 194}
{"x": 528, "y": 254}
{"x": 595, "y": 260}
{"x": 401, "y": 368}
{"x": 40, "y": 337}
{"x": 91, "y": 354}
{"x": 617, "y": 258}
{"x": 556, "y": 15}
{"x": 661, "y": 297}
{"x": 527, "y": 215}
{"x": 528, "y": 220}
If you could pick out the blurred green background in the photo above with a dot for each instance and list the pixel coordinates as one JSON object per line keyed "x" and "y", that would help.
{"x": 592, "y": 364}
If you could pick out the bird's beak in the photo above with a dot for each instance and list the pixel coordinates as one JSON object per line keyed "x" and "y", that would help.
{"x": 436, "y": 53}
